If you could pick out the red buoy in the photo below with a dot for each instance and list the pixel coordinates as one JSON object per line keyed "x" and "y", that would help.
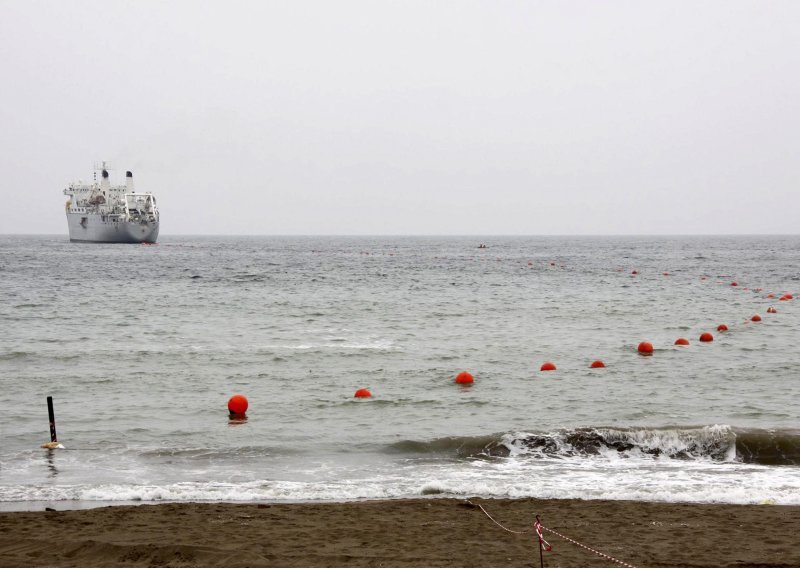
{"x": 771, "y": 310}
{"x": 722, "y": 327}
{"x": 464, "y": 378}
{"x": 597, "y": 364}
{"x": 548, "y": 366}
{"x": 634, "y": 272}
{"x": 734, "y": 283}
{"x": 665, "y": 273}
{"x": 706, "y": 337}
{"x": 237, "y": 404}
{"x": 755, "y": 318}
{"x": 362, "y": 393}
{"x": 786, "y": 297}
{"x": 681, "y": 341}
{"x": 645, "y": 348}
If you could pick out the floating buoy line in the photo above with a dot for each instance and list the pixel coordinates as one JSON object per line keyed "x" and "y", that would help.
{"x": 644, "y": 348}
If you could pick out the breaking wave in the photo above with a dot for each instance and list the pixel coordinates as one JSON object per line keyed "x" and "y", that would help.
{"x": 719, "y": 443}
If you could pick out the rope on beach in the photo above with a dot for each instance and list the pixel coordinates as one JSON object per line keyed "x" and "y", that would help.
{"x": 538, "y": 526}
{"x": 597, "y": 552}
{"x": 485, "y": 512}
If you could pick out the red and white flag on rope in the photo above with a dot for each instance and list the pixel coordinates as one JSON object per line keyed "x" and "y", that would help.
{"x": 542, "y": 542}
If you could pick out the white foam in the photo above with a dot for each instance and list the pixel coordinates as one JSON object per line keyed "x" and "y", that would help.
{"x": 649, "y": 480}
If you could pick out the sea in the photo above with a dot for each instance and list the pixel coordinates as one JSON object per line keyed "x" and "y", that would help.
{"x": 142, "y": 346}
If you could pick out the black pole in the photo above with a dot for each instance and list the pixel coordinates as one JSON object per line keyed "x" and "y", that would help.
{"x": 541, "y": 554}
{"x": 53, "y": 437}
{"x": 539, "y": 543}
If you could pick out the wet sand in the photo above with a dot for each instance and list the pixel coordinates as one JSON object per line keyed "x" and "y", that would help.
{"x": 418, "y": 533}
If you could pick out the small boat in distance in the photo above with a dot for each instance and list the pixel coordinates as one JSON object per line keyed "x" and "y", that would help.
{"x": 102, "y": 213}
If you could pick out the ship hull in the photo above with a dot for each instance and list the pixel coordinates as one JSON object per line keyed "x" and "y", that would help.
{"x": 91, "y": 228}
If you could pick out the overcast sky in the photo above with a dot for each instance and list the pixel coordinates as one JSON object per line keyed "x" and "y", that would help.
{"x": 381, "y": 117}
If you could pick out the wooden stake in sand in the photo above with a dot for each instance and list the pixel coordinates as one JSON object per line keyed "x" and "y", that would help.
{"x": 539, "y": 541}
{"x": 53, "y": 443}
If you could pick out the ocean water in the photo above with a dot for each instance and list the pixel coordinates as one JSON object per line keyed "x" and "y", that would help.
{"x": 141, "y": 347}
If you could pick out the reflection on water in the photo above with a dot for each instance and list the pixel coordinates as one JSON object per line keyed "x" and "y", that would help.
{"x": 51, "y": 464}
{"x": 236, "y": 419}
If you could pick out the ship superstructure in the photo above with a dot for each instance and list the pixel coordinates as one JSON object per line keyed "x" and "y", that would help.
{"x": 102, "y": 213}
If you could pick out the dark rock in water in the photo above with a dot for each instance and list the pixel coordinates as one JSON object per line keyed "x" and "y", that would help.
{"x": 546, "y": 444}
{"x": 590, "y": 442}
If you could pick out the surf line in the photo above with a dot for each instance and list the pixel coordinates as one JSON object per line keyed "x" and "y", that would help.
{"x": 543, "y": 544}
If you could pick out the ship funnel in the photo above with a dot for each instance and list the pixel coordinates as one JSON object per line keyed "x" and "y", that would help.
{"x": 129, "y": 182}
{"x": 105, "y": 184}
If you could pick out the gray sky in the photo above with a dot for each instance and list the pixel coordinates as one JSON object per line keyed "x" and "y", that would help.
{"x": 379, "y": 117}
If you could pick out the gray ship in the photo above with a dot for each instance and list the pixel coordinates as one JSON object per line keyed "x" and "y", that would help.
{"x": 102, "y": 213}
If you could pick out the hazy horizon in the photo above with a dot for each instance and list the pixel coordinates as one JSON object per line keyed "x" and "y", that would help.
{"x": 409, "y": 118}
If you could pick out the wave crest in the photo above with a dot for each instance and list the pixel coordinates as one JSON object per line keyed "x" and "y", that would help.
{"x": 719, "y": 443}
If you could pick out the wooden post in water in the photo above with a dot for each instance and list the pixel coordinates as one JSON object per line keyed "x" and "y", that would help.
{"x": 53, "y": 437}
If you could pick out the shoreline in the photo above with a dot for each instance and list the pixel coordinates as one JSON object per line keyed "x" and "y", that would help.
{"x": 403, "y": 532}
{"x": 82, "y": 505}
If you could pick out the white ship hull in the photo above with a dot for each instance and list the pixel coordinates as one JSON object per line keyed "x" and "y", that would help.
{"x": 91, "y": 228}
{"x": 102, "y": 213}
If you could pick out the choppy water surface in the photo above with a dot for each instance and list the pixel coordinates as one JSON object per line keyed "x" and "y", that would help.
{"x": 141, "y": 347}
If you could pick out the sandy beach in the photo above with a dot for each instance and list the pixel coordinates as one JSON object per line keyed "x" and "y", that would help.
{"x": 418, "y": 532}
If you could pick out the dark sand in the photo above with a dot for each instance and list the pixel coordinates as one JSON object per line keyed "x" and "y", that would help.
{"x": 420, "y": 532}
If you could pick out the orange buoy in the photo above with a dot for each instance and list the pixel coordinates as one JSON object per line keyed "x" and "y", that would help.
{"x": 681, "y": 341}
{"x": 755, "y": 318}
{"x": 645, "y": 348}
{"x": 722, "y": 327}
{"x": 770, "y": 295}
{"x": 237, "y": 404}
{"x": 548, "y": 366}
{"x": 464, "y": 378}
{"x": 706, "y": 337}
{"x": 771, "y": 310}
{"x": 734, "y": 283}
{"x": 362, "y": 393}
{"x": 597, "y": 364}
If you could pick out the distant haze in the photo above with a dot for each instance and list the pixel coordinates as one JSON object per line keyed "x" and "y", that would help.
{"x": 384, "y": 117}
